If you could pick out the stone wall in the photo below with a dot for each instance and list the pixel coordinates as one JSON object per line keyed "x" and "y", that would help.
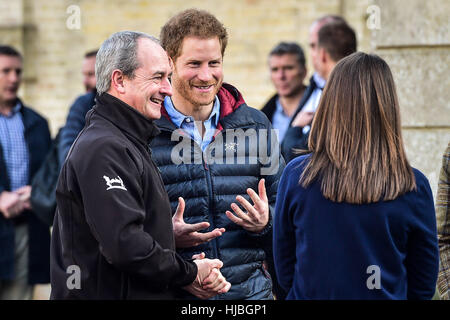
{"x": 413, "y": 37}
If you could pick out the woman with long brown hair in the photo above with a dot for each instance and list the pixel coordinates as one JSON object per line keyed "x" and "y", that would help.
{"x": 353, "y": 219}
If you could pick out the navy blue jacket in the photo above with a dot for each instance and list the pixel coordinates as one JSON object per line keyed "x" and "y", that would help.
{"x": 75, "y": 123}
{"x": 329, "y": 250}
{"x": 37, "y": 137}
{"x": 270, "y": 107}
{"x": 209, "y": 189}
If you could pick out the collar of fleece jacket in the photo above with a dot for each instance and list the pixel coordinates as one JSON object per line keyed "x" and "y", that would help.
{"x": 230, "y": 99}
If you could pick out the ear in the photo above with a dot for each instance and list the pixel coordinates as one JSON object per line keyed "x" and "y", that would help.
{"x": 304, "y": 72}
{"x": 171, "y": 62}
{"x": 323, "y": 55}
{"x": 117, "y": 81}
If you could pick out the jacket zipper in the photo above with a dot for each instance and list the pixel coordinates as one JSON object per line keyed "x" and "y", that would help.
{"x": 210, "y": 192}
{"x": 211, "y": 202}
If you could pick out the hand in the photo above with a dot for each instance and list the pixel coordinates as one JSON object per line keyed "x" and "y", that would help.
{"x": 303, "y": 119}
{"x": 214, "y": 282}
{"x": 25, "y": 195}
{"x": 257, "y": 216}
{"x": 10, "y": 204}
{"x": 209, "y": 281}
{"x": 187, "y": 235}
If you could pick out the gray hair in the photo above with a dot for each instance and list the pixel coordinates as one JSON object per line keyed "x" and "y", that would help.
{"x": 119, "y": 51}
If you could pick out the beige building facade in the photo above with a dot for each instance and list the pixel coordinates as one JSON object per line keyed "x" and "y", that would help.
{"x": 413, "y": 36}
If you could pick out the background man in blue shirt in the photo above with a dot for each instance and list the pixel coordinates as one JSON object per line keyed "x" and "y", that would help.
{"x": 287, "y": 72}
{"x": 24, "y": 142}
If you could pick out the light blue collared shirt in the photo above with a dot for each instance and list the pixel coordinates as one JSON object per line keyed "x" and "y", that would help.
{"x": 280, "y": 120}
{"x": 14, "y": 147}
{"x": 192, "y": 127}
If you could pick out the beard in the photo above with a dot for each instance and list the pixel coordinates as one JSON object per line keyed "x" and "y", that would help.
{"x": 197, "y": 99}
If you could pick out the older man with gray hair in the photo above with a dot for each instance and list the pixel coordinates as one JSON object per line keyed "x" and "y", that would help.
{"x": 112, "y": 234}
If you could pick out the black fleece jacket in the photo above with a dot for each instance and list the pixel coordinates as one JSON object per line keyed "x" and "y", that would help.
{"x": 113, "y": 223}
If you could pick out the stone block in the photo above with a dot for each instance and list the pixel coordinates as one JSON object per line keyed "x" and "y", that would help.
{"x": 413, "y": 22}
{"x": 424, "y": 149}
{"x": 421, "y": 77}
{"x": 11, "y": 13}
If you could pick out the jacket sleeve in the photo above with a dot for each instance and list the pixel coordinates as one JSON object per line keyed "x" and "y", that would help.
{"x": 293, "y": 139}
{"x": 422, "y": 260}
{"x": 4, "y": 179}
{"x": 443, "y": 225}
{"x": 271, "y": 170}
{"x": 116, "y": 217}
{"x": 284, "y": 234}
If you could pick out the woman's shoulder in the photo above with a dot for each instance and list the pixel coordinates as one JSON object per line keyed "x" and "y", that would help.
{"x": 294, "y": 169}
{"x": 298, "y": 163}
{"x": 418, "y": 173}
{"x": 422, "y": 183}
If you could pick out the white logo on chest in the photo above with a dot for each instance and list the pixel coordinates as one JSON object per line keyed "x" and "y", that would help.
{"x": 114, "y": 183}
{"x": 231, "y": 146}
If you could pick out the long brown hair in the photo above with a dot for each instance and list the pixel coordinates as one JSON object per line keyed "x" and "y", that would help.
{"x": 355, "y": 140}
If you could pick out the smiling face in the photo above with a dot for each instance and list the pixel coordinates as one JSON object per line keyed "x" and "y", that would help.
{"x": 287, "y": 74}
{"x": 198, "y": 72}
{"x": 146, "y": 91}
{"x": 10, "y": 77}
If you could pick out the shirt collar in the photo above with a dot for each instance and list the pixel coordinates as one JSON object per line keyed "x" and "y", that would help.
{"x": 320, "y": 82}
{"x": 15, "y": 109}
{"x": 215, "y": 113}
{"x": 178, "y": 118}
{"x": 279, "y": 107}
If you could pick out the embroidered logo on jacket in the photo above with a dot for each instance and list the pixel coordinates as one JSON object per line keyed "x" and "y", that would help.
{"x": 114, "y": 183}
{"x": 231, "y": 146}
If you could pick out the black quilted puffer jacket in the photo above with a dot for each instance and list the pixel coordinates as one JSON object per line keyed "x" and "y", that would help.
{"x": 209, "y": 182}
